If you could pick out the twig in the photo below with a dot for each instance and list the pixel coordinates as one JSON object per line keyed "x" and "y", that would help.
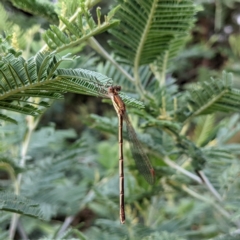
{"x": 71, "y": 19}
{"x": 65, "y": 225}
{"x": 210, "y": 187}
{"x": 182, "y": 170}
{"x": 21, "y": 231}
{"x": 99, "y": 49}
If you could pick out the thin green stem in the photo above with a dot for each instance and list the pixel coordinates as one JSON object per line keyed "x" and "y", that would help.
{"x": 72, "y": 18}
{"x": 182, "y": 170}
{"x": 138, "y": 82}
{"x": 32, "y": 123}
{"x": 209, "y": 201}
{"x": 162, "y": 79}
{"x": 162, "y": 83}
{"x": 144, "y": 35}
{"x": 210, "y": 187}
{"x": 64, "y": 227}
{"x": 141, "y": 47}
{"x": 93, "y": 43}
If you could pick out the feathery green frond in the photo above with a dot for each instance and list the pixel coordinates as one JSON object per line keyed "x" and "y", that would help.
{"x": 43, "y": 8}
{"x": 146, "y": 77}
{"x": 212, "y": 96}
{"x": 149, "y": 28}
{"x": 111, "y": 71}
{"x": 41, "y": 77}
{"x": 19, "y": 204}
{"x": 7, "y": 118}
{"x": 165, "y": 60}
{"x": 76, "y": 30}
{"x": 179, "y": 129}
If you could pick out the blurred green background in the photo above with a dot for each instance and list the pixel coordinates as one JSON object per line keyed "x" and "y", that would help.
{"x": 72, "y": 167}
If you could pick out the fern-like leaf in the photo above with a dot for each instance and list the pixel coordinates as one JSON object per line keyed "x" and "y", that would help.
{"x": 146, "y": 77}
{"x": 7, "y": 119}
{"x": 43, "y": 8}
{"x": 211, "y": 96}
{"x": 165, "y": 60}
{"x": 148, "y": 28}
{"x": 41, "y": 77}
{"x": 76, "y": 29}
{"x": 19, "y": 204}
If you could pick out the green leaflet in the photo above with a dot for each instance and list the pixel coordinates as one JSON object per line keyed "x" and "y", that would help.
{"x": 41, "y": 77}
{"x": 18, "y": 204}
{"x": 150, "y": 28}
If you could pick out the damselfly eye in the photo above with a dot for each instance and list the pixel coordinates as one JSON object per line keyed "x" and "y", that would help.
{"x": 118, "y": 88}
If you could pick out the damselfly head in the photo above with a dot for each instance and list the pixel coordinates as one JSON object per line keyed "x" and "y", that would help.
{"x": 114, "y": 89}
{"x": 118, "y": 88}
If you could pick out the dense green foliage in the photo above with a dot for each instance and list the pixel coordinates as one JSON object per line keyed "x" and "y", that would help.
{"x": 62, "y": 183}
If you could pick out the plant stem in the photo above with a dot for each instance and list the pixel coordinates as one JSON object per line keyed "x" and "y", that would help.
{"x": 21, "y": 231}
{"x": 138, "y": 81}
{"x": 72, "y": 18}
{"x": 64, "y": 227}
{"x": 32, "y": 123}
{"x": 93, "y": 43}
{"x": 182, "y": 170}
{"x": 195, "y": 177}
{"x": 207, "y": 183}
{"x": 204, "y": 199}
{"x": 210, "y": 187}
